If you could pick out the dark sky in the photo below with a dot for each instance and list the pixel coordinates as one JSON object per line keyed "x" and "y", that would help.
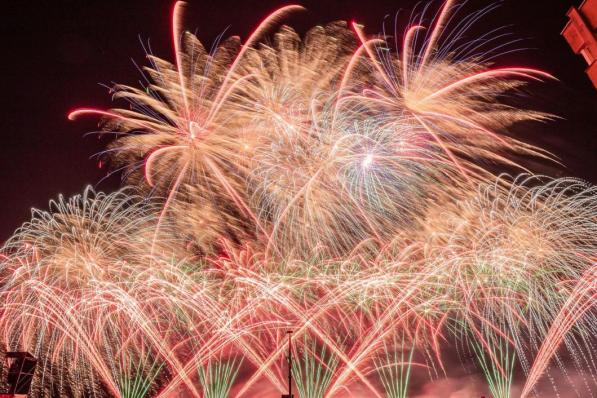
{"x": 57, "y": 55}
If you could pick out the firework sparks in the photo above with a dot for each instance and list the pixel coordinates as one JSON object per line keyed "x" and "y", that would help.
{"x": 328, "y": 184}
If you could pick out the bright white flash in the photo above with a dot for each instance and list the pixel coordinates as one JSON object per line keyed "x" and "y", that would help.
{"x": 367, "y": 161}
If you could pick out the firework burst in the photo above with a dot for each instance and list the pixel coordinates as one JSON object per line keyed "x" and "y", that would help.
{"x": 336, "y": 185}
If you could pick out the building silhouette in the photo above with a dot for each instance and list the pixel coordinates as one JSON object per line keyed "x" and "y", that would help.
{"x": 581, "y": 34}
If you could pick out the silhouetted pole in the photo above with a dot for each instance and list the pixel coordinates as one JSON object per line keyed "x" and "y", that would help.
{"x": 289, "y": 363}
{"x": 289, "y": 395}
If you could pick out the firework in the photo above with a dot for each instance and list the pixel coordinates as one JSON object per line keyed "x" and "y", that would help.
{"x": 314, "y": 144}
{"x": 336, "y": 185}
{"x": 169, "y": 320}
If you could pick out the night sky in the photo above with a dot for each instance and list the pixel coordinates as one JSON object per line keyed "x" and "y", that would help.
{"x": 60, "y": 55}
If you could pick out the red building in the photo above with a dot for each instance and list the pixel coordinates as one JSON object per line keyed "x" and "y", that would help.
{"x": 581, "y": 33}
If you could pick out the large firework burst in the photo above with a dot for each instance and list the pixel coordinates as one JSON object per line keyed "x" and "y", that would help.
{"x": 335, "y": 185}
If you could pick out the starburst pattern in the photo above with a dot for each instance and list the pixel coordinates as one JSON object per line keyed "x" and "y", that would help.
{"x": 341, "y": 185}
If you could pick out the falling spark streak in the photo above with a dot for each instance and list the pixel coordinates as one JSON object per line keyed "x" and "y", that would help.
{"x": 580, "y": 301}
